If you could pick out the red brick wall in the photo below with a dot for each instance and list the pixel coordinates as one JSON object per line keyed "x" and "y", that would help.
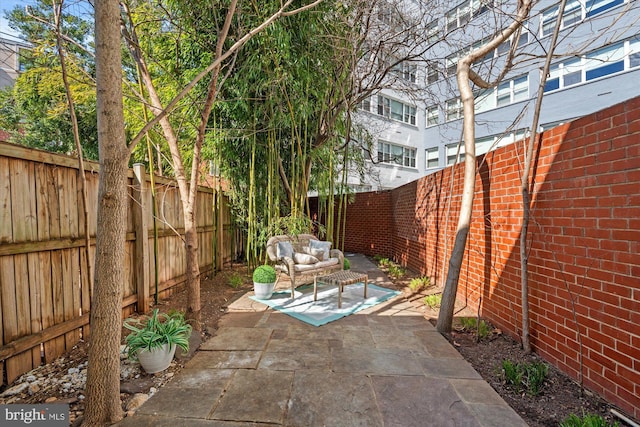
{"x": 584, "y": 240}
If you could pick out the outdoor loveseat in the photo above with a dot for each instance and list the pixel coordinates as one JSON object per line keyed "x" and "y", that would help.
{"x": 303, "y": 255}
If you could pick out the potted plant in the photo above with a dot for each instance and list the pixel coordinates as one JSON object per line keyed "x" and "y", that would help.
{"x": 264, "y": 280}
{"x": 153, "y": 339}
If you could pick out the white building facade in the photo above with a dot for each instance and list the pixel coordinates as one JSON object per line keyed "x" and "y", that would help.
{"x": 597, "y": 65}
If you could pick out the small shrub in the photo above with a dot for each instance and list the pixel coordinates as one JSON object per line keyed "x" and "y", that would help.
{"x": 347, "y": 264}
{"x": 433, "y": 300}
{"x": 527, "y": 376}
{"x": 512, "y": 373}
{"x": 384, "y": 262}
{"x": 418, "y": 283}
{"x": 535, "y": 374}
{"x": 470, "y": 324}
{"x": 587, "y": 420}
{"x": 264, "y": 274}
{"x": 396, "y": 271}
{"x": 377, "y": 258}
{"x": 235, "y": 280}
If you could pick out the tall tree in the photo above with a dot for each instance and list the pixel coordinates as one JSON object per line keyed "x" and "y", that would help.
{"x": 465, "y": 75}
{"x": 103, "y": 374}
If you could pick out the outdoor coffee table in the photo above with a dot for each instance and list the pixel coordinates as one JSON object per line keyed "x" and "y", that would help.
{"x": 340, "y": 279}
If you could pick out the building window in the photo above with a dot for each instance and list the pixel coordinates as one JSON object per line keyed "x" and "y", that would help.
{"x": 464, "y": 12}
{"x": 405, "y": 70}
{"x": 396, "y": 110}
{"x": 365, "y": 104}
{"x": 432, "y": 115}
{"x": 433, "y": 73}
{"x": 432, "y": 157}
{"x": 433, "y": 31}
{"x": 594, "y": 7}
{"x": 513, "y": 91}
{"x": 455, "y": 151}
{"x": 574, "y": 12}
{"x": 599, "y": 63}
{"x": 485, "y": 100}
{"x": 396, "y": 154}
{"x": 454, "y": 109}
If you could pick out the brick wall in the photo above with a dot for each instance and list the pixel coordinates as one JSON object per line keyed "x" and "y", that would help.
{"x": 584, "y": 242}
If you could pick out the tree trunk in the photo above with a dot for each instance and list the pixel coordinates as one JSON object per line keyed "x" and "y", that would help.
{"x": 103, "y": 374}
{"x": 524, "y": 184}
{"x": 193, "y": 270}
{"x": 464, "y": 75}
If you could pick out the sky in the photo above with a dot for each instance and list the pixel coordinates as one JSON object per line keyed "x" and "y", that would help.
{"x": 6, "y": 5}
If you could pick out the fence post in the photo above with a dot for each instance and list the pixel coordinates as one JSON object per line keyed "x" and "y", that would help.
{"x": 141, "y": 226}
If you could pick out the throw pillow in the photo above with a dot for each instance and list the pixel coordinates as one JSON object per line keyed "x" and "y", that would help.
{"x": 301, "y": 258}
{"x": 325, "y": 247}
{"x": 318, "y": 253}
{"x": 284, "y": 249}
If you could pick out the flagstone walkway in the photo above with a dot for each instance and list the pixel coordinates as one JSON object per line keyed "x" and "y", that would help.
{"x": 384, "y": 366}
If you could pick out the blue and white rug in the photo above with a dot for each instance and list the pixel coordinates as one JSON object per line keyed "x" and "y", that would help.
{"x": 325, "y": 309}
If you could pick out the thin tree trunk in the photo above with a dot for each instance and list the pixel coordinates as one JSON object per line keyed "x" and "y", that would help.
{"x": 57, "y": 11}
{"x": 103, "y": 372}
{"x": 524, "y": 185}
{"x": 464, "y": 76}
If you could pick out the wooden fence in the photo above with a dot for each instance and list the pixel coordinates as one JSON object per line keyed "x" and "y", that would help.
{"x": 45, "y": 292}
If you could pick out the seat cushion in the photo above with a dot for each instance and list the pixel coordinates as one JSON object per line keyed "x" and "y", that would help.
{"x": 306, "y": 268}
{"x": 302, "y": 258}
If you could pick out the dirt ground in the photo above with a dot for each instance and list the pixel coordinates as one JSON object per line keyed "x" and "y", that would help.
{"x": 560, "y": 395}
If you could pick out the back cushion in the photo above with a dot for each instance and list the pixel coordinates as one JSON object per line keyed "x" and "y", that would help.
{"x": 318, "y": 245}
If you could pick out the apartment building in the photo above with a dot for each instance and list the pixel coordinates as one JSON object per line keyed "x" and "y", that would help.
{"x": 10, "y": 65}
{"x": 597, "y": 65}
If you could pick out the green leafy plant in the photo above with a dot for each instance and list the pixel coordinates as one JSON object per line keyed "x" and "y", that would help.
{"x": 527, "y": 376}
{"x": 433, "y": 300}
{"x": 470, "y": 324}
{"x": 150, "y": 332}
{"x": 587, "y": 420}
{"x": 235, "y": 280}
{"x": 418, "y": 283}
{"x": 384, "y": 262}
{"x": 264, "y": 274}
{"x": 396, "y": 271}
{"x": 347, "y": 264}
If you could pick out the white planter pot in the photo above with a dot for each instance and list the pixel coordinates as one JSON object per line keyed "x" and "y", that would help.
{"x": 263, "y": 290}
{"x": 157, "y": 359}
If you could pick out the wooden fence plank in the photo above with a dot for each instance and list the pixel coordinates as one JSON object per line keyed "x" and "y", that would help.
{"x": 43, "y": 276}
{"x": 6, "y": 229}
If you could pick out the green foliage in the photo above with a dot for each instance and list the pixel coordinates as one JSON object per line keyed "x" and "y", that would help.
{"x": 35, "y": 111}
{"x": 149, "y": 332}
{"x": 396, "y": 271}
{"x": 264, "y": 274}
{"x": 471, "y": 324}
{"x": 235, "y": 280}
{"x": 587, "y": 420}
{"x": 347, "y": 264}
{"x": 525, "y": 376}
{"x": 418, "y": 283}
{"x": 433, "y": 300}
{"x": 384, "y": 262}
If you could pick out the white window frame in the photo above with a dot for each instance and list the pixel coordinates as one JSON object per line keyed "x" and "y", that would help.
{"x": 453, "y": 109}
{"x": 388, "y": 107}
{"x": 406, "y": 70}
{"x": 395, "y": 154}
{"x": 431, "y": 156}
{"x": 464, "y": 12}
{"x": 451, "y": 150}
{"x": 575, "y": 11}
{"x": 600, "y": 63}
{"x": 432, "y": 116}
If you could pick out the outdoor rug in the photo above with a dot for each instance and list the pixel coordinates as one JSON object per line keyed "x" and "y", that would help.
{"x": 325, "y": 309}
